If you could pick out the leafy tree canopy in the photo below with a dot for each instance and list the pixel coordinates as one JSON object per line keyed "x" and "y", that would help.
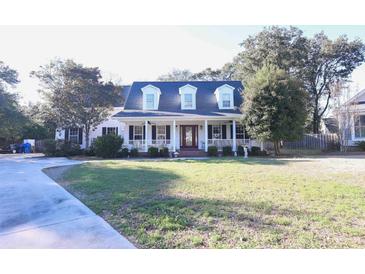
{"x": 274, "y": 106}
{"x": 76, "y": 95}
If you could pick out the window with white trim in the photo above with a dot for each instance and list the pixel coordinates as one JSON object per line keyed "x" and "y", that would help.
{"x": 360, "y": 126}
{"x": 217, "y": 132}
{"x": 161, "y": 132}
{"x": 150, "y": 101}
{"x": 74, "y": 135}
{"x": 188, "y": 96}
{"x": 240, "y": 132}
{"x": 109, "y": 130}
{"x": 138, "y": 133}
{"x": 226, "y": 100}
{"x": 188, "y": 101}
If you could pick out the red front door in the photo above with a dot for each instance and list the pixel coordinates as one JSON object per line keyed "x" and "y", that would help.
{"x": 189, "y": 136}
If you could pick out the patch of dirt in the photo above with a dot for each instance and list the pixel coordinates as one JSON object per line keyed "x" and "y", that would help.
{"x": 56, "y": 174}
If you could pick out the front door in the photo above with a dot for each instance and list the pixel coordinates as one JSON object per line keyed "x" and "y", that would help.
{"x": 189, "y": 136}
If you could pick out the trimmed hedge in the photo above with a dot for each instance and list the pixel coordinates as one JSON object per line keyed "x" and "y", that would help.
{"x": 164, "y": 152}
{"x": 153, "y": 152}
{"x": 212, "y": 151}
{"x": 107, "y": 146}
{"x": 134, "y": 152}
{"x": 240, "y": 151}
{"x": 60, "y": 148}
{"x": 256, "y": 151}
{"x": 361, "y": 145}
{"x": 227, "y": 151}
{"x": 123, "y": 153}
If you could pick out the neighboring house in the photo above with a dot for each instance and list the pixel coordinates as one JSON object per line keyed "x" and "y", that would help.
{"x": 352, "y": 120}
{"x": 183, "y": 116}
{"x": 109, "y": 126}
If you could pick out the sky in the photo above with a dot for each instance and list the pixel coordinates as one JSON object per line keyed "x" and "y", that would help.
{"x": 131, "y": 53}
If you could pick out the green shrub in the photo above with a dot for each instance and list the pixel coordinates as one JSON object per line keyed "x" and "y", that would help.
{"x": 240, "y": 151}
{"x": 90, "y": 151}
{"x": 50, "y": 147}
{"x": 123, "y": 153}
{"x": 134, "y": 152}
{"x": 70, "y": 149}
{"x": 164, "y": 152}
{"x": 212, "y": 151}
{"x": 361, "y": 145}
{"x": 107, "y": 146}
{"x": 227, "y": 151}
{"x": 153, "y": 152}
{"x": 256, "y": 151}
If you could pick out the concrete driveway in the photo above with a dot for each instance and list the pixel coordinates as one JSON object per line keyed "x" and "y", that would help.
{"x": 35, "y": 212}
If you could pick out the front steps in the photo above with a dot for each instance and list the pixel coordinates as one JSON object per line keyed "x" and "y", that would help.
{"x": 192, "y": 153}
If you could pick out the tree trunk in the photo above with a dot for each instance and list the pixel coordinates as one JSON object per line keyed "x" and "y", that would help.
{"x": 87, "y": 134}
{"x": 276, "y": 148}
{"x": 315, "y": 117}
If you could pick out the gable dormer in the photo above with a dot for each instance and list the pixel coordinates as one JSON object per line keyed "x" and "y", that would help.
{"x": 188, "y": 97}
{"x": 151, "y": 97}
{"x": 225, "y": 98}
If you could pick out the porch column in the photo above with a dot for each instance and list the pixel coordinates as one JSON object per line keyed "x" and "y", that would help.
{"x": 206, "y": 135}
{"x": 174, "y": 136}
{"x": 146, "y": 136}
{"x": 126, "y": 135}
{"x": 234, "y": 143}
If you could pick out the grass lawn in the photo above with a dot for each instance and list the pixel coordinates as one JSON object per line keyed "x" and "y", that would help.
{"x": 228, "y": 203}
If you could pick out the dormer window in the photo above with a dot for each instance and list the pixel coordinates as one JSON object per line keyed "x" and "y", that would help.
{"x": 226, "y": 100}
{"x": 150, "y": 101}
{"x": 188, "y": 101}
{"x": 188, "y": 97}
{"x": 151, "y": 97}
{"x": 224, "y": 95}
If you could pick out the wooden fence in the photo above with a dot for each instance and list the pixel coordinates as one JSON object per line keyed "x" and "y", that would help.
{"x": 314, "y": 141}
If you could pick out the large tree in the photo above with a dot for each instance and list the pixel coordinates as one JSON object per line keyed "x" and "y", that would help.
{"x": 76, "y": 95}
{"x": 327, "y": 63}
{"x": 11, "y": 117}
{"x": 274, "y": 106}
{"x": 319, "y": 62}
{"x": 283, "y": 47}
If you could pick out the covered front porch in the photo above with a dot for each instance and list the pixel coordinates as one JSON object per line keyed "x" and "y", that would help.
{"x": 178, "y": 135}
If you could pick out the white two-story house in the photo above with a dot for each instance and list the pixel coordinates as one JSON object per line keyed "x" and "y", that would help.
{"x": 183, "y": 116}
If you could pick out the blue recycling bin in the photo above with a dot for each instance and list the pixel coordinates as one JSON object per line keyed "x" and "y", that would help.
{"x": 27, "y": 148}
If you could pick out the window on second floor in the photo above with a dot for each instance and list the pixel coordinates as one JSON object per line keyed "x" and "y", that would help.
{"x": 188, "y": 100}
{"x": 360, "y": 126}
{"x": 226, "y": 100}
{"x": 188, "y": 96}
{"x": 150, "y": 101}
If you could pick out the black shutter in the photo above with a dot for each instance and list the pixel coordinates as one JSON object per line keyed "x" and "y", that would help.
{"x": 168, "y": 133}
{"x": 131, "y": 133}
{"x": 144, "y": 132}
{"x": 67, "y": 134}
{"x": 103, "y": 131}
{"x": 153, "y": 132}
{"x": 210, "y": 133}
{"x": 116, "y": 131}
{"x": 224, "y": 132}
{"x": 80, "y": 135}
{"x": 231, "y": 127}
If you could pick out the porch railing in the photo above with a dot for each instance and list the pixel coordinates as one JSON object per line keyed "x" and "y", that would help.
{"x": 140, "y": 144}
{"x": 220, "y": 143}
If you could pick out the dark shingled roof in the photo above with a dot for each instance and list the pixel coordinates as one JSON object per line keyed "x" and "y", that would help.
{"x": 170, "y": 104}
{"x": 124, "y": 94}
